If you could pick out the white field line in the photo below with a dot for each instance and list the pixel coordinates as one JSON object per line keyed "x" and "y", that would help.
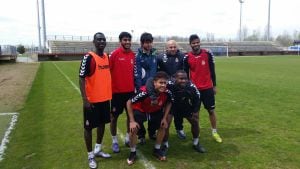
{"x": 146, "y": 163}
{"x": 69, "y": 80}
{"x": 5, "y": 114}
{"x": 5, "y": 139}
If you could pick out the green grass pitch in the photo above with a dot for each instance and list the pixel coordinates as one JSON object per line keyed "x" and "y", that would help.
{"x": 258, "y": 110}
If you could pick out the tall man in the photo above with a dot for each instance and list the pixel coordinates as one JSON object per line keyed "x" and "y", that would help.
{"x": 121, "y": 64}
{"x": 95, "y": 87}
{"x": 199, "y": 63}
{"x": 144, "y": 68}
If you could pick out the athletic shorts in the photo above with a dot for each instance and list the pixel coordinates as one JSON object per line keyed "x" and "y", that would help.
{"x": 153, "y": 118}
{"x": 98, "y": 114}
{"x": 208, "y": 98}
{"x": 181, "y": 114}
{"x": 118, "y": 103}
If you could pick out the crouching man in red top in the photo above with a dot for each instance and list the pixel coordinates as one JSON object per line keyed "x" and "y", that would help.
{"x": 140, "y": 110}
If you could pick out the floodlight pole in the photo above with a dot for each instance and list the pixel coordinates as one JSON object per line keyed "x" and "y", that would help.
{"x": 269, "y": 12}
{"x": 44, "y": 26}
{"x": 39, "y": 25}
{"x": 240, "y": 33}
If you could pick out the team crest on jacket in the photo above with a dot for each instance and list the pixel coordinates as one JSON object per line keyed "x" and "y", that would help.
{"x": 203, "y": 62}
{"x": 165, "y": 58}
{"x": 176, "y": 60}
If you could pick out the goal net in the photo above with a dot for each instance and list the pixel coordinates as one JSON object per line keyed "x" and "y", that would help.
{"x": 217, "y": 50}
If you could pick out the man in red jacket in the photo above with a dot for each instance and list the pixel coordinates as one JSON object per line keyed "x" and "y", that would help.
{"x": 121, "y": 64}
{"x": 199, "y": 64}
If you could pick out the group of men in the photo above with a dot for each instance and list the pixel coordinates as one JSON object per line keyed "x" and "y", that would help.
{"x": 150, "y": 87}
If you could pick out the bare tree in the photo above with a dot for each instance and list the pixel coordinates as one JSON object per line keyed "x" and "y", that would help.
{"x": 210, "y": 37}
{"x": 254, "y": 37}
{"x": 285, "y": 39}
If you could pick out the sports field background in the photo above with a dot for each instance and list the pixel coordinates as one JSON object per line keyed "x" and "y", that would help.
{"x": 257, "y": 108}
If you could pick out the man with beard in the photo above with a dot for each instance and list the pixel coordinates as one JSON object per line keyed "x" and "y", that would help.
{"x": 200, "y": 66}
{"x": 170, "y": 62}
{"x": 121, "y": 64}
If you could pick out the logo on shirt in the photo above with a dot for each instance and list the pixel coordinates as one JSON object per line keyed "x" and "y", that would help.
{"x": 103, "y": 67}
{"x": 203, "y": 62}
{"x": 83, "y": 64}
{"x": 165, "y": 59}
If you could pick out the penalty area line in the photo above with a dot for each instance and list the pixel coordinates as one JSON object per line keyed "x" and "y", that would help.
{"x": 147, "y": 164}
{"x": 5, "y": 139}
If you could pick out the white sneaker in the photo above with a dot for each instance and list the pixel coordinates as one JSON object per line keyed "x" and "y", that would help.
{"x": 92, "y": 163}
{"x": 102, "y": 154}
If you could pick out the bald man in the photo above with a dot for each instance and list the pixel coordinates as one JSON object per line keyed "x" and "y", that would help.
{"x": 170, "y": 62}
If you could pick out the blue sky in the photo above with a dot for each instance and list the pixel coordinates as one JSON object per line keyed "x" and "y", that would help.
{"x": 18, "y": 18}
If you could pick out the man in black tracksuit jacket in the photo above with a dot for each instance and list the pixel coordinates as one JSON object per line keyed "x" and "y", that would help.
{"x": 186, "y": 105}
{"x": 170, "y": 62}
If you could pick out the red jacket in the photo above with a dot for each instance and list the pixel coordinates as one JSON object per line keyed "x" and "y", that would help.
{"x": 121, "y": 64}
{"x": 142, "y": 102}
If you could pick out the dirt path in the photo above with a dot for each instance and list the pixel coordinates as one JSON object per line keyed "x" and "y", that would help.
{"x": 15, "y": 81}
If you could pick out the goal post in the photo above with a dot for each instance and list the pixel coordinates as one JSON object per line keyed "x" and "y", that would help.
{"x": 218, "y": 50}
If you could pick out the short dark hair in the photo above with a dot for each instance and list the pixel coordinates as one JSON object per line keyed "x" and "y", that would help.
{"x": 179, "y": 71}
{"x": 146, "y": 37}
{"x": 97, "y": 34}
{"x": 160, "y": 75}
{"x": 123, "y": 35}
{"x": 193, "y": 37}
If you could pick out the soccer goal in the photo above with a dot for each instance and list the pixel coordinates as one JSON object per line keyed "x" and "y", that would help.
{"x": 218, "y": 50}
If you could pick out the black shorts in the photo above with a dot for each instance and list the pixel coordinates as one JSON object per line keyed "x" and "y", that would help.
{"x": 153, "y": 118}
{"x": 98, "y": 114}
{"x": 181, "y": 114}
{"x": 118, "y": 103}
{"x": 208, "y": 98}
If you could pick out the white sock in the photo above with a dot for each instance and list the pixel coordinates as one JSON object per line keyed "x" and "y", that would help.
{"x": 166, "y": 143}
{"x": 195, "y": 141}
{"x": 97, "y": 148}
{"x": 115, "y": 139}
{"x": 157, "y": 146}
{"x": 133, "y": 149}
{"x": 214, "y": 131}
{"x": 127, "y": 137}
{"x": 91, "y": 154}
